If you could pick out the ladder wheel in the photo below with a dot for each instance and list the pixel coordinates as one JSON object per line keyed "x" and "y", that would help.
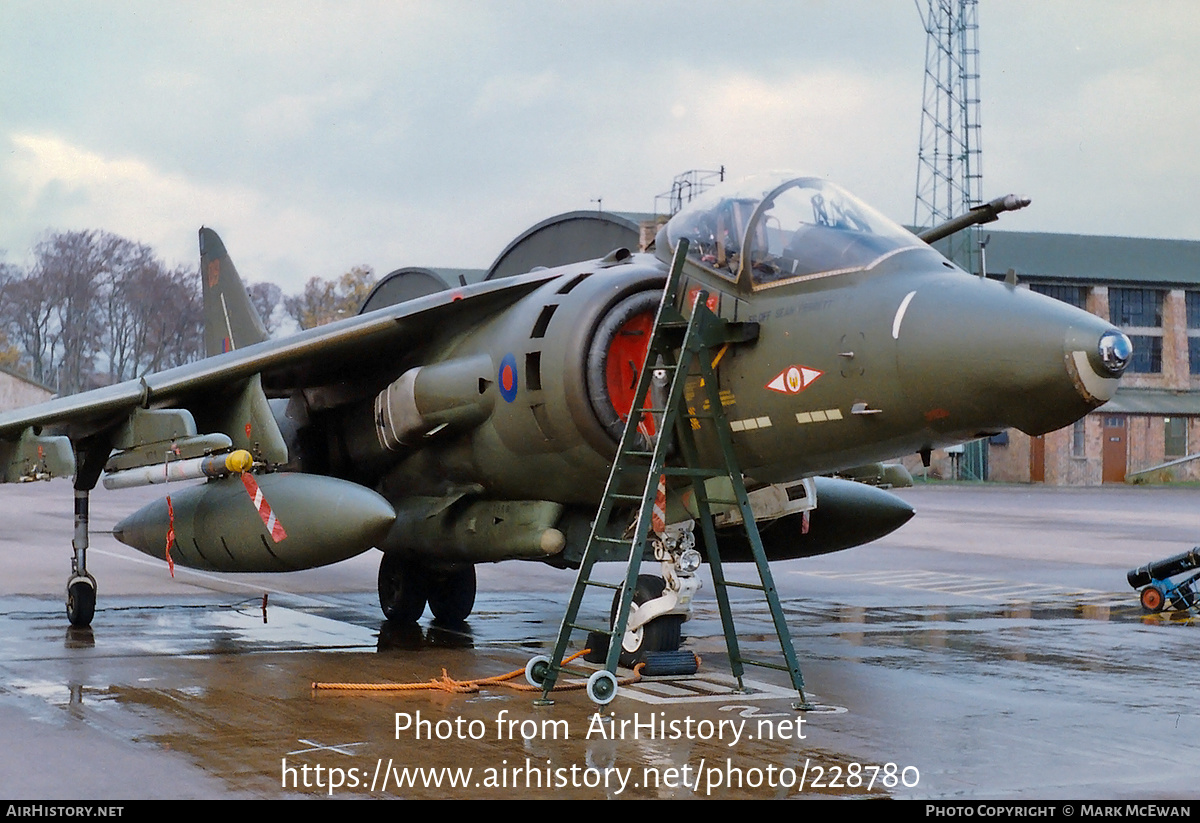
{"x": 663, "y": 634}
{"x": 536, "y": 670}
{"x": 1152, "y": 599}
{"x": 602, "y": 687}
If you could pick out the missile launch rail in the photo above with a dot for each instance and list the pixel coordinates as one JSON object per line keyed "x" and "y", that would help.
{"x": 680, "y": 346}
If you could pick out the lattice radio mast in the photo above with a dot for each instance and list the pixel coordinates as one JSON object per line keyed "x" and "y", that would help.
{"x": 950, "y": 160}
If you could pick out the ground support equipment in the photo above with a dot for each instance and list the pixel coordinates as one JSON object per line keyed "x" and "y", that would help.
{"x": 681, "y": 349}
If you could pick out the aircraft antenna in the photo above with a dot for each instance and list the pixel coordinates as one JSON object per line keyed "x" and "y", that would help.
{"x": 950, "y": 158}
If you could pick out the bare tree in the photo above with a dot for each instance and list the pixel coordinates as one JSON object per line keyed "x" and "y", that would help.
{"x": 324, "y": 301}
{"x": 94, "y": 296}
{"x": 29, "y": 321}
{"x": 266, "y": 298}
{"x": 175, "y": 334}
{"x": 72, "y": 265}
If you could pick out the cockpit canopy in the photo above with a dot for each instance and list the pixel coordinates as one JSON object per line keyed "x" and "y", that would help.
{"x": 777, "y": 229}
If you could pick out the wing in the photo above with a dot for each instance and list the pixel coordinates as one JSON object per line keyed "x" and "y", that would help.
{"x": 228, "y": 392}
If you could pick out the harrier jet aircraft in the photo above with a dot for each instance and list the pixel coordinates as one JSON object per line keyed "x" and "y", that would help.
{"x": 478, "y": 423}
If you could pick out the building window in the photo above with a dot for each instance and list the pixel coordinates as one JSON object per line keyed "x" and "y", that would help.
{"x": 1075, "y": 295}
{"x": 1139, "y": 312}
{"x": 1135, "y": 307}
{"x": 1192, "y": 301}
{"x": 1079, "y": 439}
{"x": 1175, "y": 436}
{"x": 1147, "y": 354}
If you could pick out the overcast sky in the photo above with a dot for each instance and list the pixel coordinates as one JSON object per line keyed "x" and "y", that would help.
{"x": 317, "y": 136}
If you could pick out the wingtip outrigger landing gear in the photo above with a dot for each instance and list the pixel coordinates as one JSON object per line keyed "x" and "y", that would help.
{"x": 81, "y": 586}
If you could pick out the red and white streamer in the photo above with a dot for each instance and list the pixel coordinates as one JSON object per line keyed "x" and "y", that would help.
{"x": 264, "y": 508}
{"x": 658, "y": 515}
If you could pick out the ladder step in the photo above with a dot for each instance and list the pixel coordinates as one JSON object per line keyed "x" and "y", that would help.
{"x": 753, "y": 586}
{"x": 681, "y": 471}
{"x": 762, "y": 664}
{"x": 577, "y": 672}
{"x": 582, "y": 627}
{"x": 617, "y": 540}
{"x": 619, "y": 496}
{"x": 602, "y": 584}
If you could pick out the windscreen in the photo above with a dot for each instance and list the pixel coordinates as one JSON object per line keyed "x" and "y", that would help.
{"x": 781, "y": 229}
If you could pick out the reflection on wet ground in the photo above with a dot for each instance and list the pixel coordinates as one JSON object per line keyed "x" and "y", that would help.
{"x": 959, "y": 695}
{"x": 989, "y": 649}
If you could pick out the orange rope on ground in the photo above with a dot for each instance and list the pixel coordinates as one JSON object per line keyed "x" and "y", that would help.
{"x": 447, "y": 684}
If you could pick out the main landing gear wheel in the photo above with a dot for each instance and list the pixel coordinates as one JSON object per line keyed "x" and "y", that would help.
{"x": 452, "y": 596}
{"x": 1152, "y": 599}
{"x": 401, "y": 589}
{"x": 602, "y": 687}
{"x": 663, "y": 634}
{"x": 81, "y": 602}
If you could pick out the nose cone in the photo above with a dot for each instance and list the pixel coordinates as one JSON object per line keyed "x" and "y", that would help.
{"x": 979, "y": 356}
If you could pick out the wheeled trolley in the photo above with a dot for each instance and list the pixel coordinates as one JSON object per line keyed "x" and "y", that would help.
{"x": 1159, "y": 592}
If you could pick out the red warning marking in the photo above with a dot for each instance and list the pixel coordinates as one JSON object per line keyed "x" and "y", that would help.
{"x": 170, "y": 534}
{"x": 711, "y": 302}
{"x": 264, "y": 508}
{"x": 794, "y": 379}
{"x": 247, "y": 431}
{"x": 214, "y": 273}
{"x": 658, "y": 515}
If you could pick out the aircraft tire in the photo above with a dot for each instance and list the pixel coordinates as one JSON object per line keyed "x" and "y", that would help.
{"x": 663, "y": 634}
{"x": 401, "y": 589}
{"x": 81, "y": 603}
{"x": 1152, "y": 599}
{"x": 452, "y": 596}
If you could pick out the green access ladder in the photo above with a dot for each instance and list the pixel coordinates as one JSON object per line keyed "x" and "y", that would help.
{"x": 680, "y": 347}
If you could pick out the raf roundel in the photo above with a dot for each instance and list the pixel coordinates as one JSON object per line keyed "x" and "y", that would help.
{"x": 508, "y": 378}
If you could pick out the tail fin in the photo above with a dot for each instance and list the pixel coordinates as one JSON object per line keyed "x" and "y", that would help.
{"x": 230, "y": 320}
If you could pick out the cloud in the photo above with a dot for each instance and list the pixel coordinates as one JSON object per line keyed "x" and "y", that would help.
{"x": 514, "y": 92}
{"x": 60, "y": 186}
